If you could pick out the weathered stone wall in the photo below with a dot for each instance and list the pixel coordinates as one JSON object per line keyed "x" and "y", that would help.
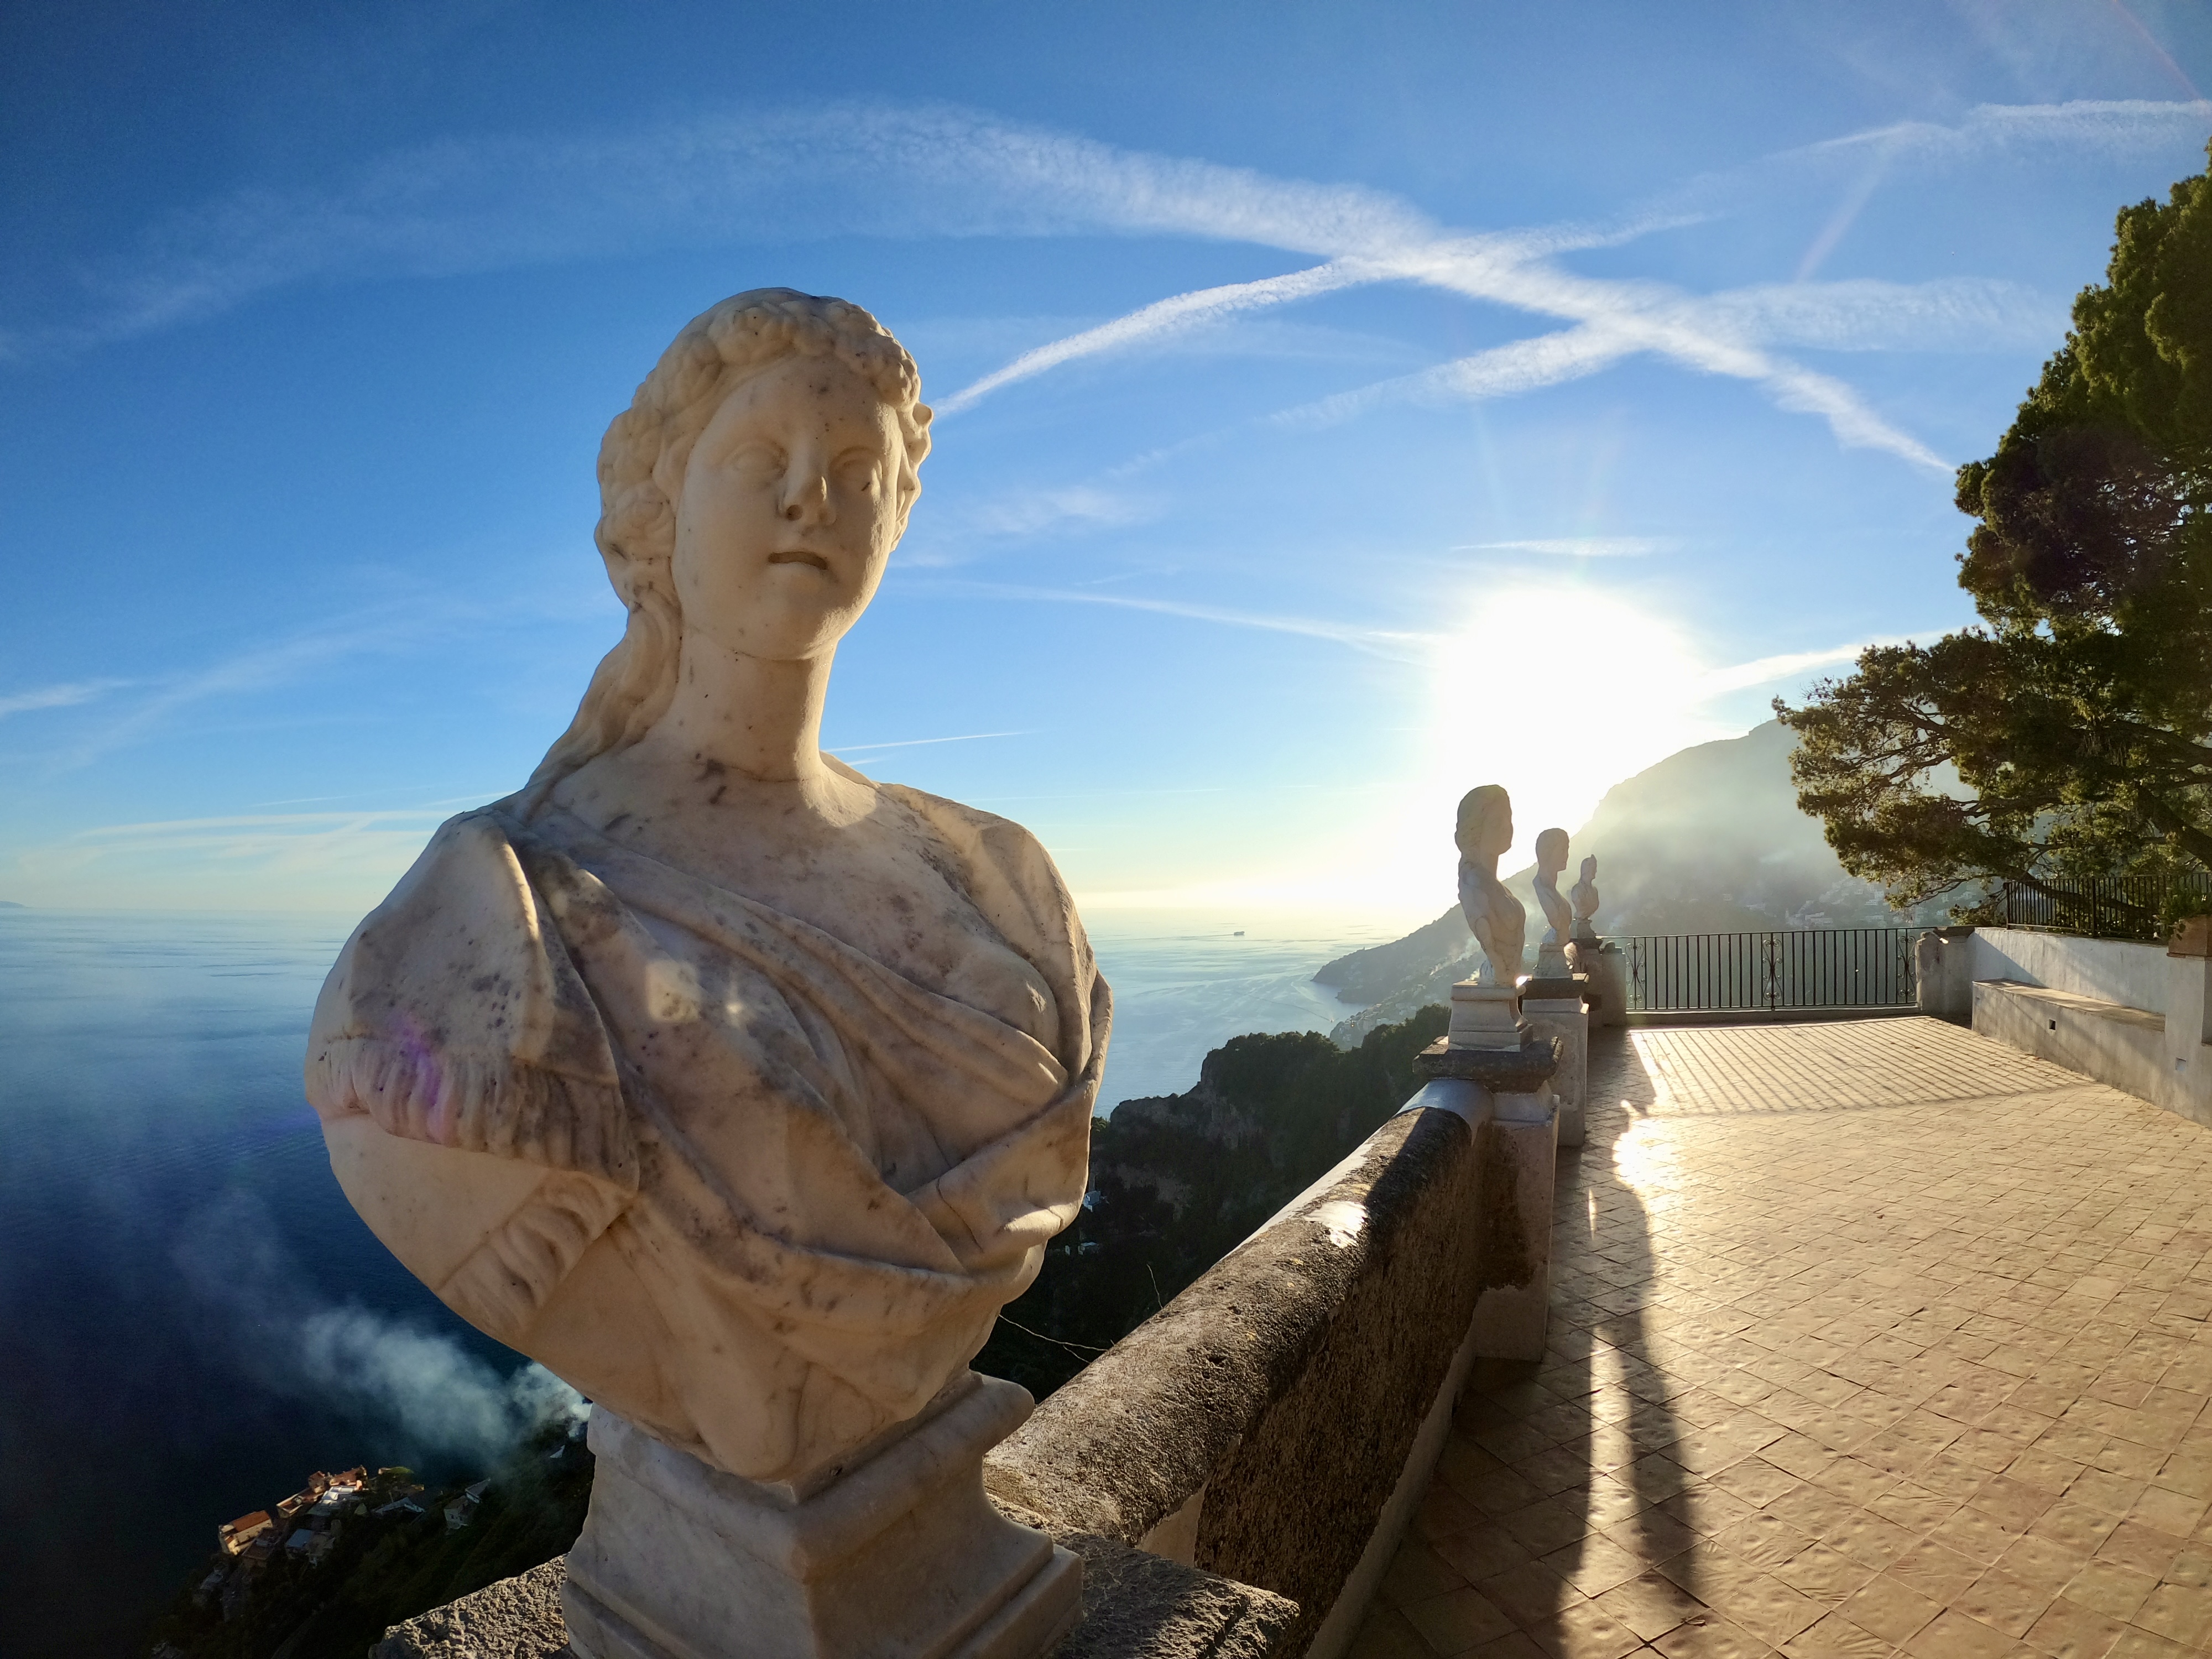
{"x": 1283, "y": 1392}
{"x": 2110, "y": 969}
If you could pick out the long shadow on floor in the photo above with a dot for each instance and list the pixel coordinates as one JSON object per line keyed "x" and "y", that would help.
{"x": 1555, "y": 1506}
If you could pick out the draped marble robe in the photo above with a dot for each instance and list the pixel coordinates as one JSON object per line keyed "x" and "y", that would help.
{"x": 724, "y": 1173}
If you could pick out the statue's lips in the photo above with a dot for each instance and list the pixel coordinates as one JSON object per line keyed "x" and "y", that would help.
{"x": 800, "y": 555}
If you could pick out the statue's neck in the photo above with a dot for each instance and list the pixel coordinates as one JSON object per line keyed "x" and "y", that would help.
{"x": 1484, "y": 870}
{"x": 757, "y": 715}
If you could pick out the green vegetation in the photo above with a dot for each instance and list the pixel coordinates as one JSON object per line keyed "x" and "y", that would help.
{"x": 2068, "y": 735}
{"x": 1179, "y": 1182}
{"x": 382, "y": 1572}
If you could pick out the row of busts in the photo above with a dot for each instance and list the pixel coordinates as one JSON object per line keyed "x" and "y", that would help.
{"x": 1484, "y": 833}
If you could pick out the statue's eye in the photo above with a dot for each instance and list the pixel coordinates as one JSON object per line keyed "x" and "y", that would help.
{"x": 757, "y": 463}
{"x": 856, "y": 474}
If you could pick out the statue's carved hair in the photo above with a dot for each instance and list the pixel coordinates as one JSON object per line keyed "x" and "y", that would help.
{"x": 641, "y": 462}
{"x": 1476, "y": 806}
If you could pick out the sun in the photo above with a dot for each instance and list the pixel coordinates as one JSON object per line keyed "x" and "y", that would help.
{"x": 1557, "y": 690}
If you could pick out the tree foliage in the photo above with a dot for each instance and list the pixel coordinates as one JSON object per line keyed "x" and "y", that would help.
{"x": 2069, "y": 734}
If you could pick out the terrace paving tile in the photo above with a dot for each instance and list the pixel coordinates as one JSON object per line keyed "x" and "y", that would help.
{"x": 1868, "y": 1338}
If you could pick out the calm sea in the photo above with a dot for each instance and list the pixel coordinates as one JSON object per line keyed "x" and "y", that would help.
{"x": 191, "y": 1318}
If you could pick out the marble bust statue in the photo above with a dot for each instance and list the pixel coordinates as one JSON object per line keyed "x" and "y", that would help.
{"x": 738, "y": 1089}
{"x": 1550, "y": 865}
{"x": 1584, "y": 895}
{"x": 1484, "y": 833}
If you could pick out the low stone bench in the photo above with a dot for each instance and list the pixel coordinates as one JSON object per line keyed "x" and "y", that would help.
{"x": 2113, "y": 1044}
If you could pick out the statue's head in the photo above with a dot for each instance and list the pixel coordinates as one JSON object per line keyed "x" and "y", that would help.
{"x": 751, "y": 494}
{"x": 1484, "y": 828}
{"x": 1551, "y": 852}
{"x": 1589, "y": 868}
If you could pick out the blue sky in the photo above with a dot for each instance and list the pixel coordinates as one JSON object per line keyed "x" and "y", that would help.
{"x": 1339, "y": 406}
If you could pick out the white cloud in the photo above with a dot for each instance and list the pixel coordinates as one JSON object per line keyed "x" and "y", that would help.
{"x": 1961, "y": 313}
{"x": 853, "y": 170}
{"x": 2121, "y": 126}
{"x": 1024, "y": 513}
{"x": 56, "y": 697}
{"x": 1183, "y": 310}
{"x": 954, "y": 529}
{"x": 485, "y": 204}
{"x": 1571, "y": 354}
{"x": 1725, "y": 334}
{"x": 1765, "y": 671}
{"x": 1502, "y": 372}
{"x": 850, "y": 749}
{"x": 1722, "y": 334}
{"x": 395, "y": 626}
{"x": 175, "y": 830}
{"x": 1399, "y": 643}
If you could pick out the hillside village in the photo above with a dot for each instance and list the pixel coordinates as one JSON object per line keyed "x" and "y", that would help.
{"x": 307, "y": 1525}
{"x": 353, "y": 1551}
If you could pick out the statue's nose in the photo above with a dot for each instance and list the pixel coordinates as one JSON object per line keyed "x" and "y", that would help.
{"x": 808, "y": 498}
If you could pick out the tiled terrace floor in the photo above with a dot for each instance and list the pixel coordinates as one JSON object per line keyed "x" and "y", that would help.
{"x": 1865, "y": 1337}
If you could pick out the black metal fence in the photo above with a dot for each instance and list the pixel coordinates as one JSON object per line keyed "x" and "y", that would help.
{"x": 1795, "y": 967}
{"x": 2106, "y": 907}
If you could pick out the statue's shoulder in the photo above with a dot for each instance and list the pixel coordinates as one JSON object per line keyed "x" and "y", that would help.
{"x": 471, "y": 852}
{"x": 975, "y": 833}
{"x": 466, "y": 900}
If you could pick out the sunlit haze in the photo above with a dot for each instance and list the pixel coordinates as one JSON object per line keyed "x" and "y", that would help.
{"x": 1337, "y": 408}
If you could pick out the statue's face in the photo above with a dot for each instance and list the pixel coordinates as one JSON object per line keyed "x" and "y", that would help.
{"x": 789, "y": 510}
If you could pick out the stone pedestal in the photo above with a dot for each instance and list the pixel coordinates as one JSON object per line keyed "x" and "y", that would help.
{"x": 1517, "y": 1154}
{"x": 898, "y": 1557}
{"x": 1606, "y": 965}
{"x": 1516, "y": 1142}
{"x": 1486, "y": 1017}
{"x": 1560, "y": 1009}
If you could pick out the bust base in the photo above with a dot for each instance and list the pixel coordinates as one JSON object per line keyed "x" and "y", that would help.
{"x": 1487, "y": 1016}
{"x": 1560, "y": 1009}
{"x": 1523, "y": 1070}
{"x": 1607, "y": 968}
{"x": 899, "y": 1558}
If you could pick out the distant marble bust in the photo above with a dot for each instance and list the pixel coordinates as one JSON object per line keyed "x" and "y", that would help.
{"x": 1500, "y": 921}
{"x": 737, "y": 1088}
{"x": 1584, "y": 895}
{"x": 1550, "y": 865}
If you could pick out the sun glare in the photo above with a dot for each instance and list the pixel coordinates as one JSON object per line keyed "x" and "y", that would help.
{"x": 1557, "y": 691}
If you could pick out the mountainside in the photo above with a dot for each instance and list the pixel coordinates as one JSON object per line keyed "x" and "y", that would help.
{"x": 1709, "y": 841}
{"x": 1179, "y": 1180}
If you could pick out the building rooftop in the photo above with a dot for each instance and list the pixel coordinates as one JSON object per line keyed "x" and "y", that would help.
{"x": 1866, "y": 1337}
